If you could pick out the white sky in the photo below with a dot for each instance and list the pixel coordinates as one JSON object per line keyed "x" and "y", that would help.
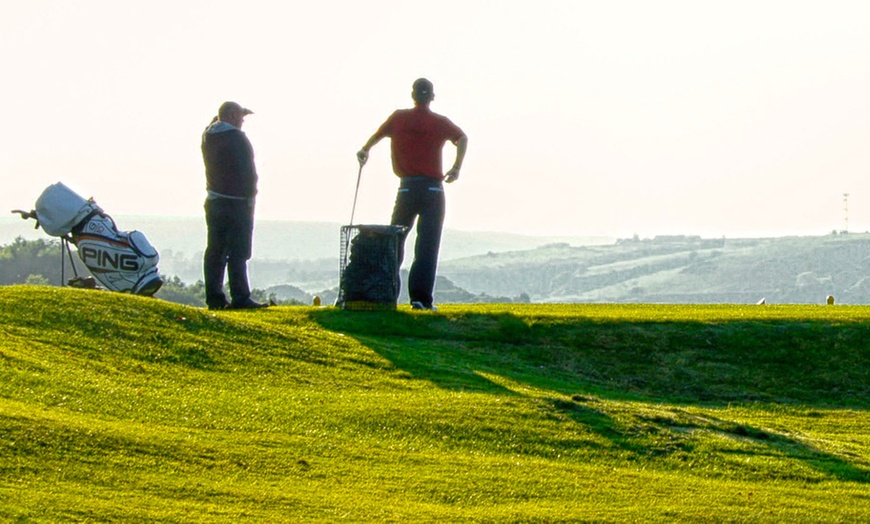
{"x": 735, "y": 118}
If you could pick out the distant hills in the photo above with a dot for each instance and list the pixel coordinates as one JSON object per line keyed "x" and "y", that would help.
{"x": 302, "y": 254}
{"x": 299, "y": 259}
{"x": 294, "y": 241}
{"x": 678, "y": 269}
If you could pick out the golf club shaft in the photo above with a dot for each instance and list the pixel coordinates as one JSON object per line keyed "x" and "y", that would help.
{"x": 355, "y": 194}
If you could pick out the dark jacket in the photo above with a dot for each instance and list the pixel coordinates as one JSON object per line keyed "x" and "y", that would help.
{"x": 229, "y": 161}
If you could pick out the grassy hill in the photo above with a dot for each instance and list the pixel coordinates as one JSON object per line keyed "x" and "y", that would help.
{"x": 800, "y": 270}
{"x": 120, "y": 408}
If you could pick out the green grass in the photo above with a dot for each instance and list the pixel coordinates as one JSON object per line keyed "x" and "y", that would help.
{"x": 119, "y": 408}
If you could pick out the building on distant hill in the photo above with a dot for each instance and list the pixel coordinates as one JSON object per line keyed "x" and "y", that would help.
{"x": 676, "y": 240}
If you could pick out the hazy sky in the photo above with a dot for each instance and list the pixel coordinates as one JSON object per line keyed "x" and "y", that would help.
{"x": 584, "y": 117}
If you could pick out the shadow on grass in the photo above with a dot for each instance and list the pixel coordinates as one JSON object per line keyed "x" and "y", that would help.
{"x": 666, "y": 435}
{"x": 815, "y": 364}
{"x": 808, "y": 363}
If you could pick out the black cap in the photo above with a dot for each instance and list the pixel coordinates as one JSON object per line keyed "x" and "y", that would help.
{"x": 422, "y": 90}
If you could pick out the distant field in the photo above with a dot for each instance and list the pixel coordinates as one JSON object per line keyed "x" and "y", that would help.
{"x": 678, "y": 270}
{"x": 119, "y": 408}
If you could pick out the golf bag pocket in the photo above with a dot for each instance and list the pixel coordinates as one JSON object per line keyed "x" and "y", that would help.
{"x": 121, "y": 261}
{"x": 59, "y": 209}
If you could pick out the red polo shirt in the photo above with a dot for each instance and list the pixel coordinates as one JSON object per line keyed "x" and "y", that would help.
{"x": 417, "y": 137}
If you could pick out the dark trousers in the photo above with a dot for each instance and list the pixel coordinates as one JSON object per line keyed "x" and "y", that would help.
{"x": 230, "y": 232}
{"x": 421, "y": 198}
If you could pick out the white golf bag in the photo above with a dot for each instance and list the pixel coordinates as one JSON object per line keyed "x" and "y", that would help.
{"x": 121, "y": 261}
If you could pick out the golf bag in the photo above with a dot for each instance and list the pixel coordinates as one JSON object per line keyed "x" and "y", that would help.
{"x": 369, "y": 267}
{"x": 121, "y": 261}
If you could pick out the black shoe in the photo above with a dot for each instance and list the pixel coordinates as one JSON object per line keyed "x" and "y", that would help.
{"x": 419, "y": 305}
{"x": 247, "y": 304}
{"x": 219, "y": 306}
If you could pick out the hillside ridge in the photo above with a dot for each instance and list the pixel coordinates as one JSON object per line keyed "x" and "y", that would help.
{"x": 117, "y": 407}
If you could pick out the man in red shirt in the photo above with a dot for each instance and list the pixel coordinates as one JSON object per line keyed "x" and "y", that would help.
{"x": 417, "y": 137}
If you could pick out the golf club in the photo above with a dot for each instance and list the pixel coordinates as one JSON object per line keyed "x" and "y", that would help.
{"x": 355, "y": 194}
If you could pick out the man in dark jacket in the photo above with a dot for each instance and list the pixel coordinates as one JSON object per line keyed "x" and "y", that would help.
{"x": 417, "y": 137}
{"x": 231, "y": 182}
